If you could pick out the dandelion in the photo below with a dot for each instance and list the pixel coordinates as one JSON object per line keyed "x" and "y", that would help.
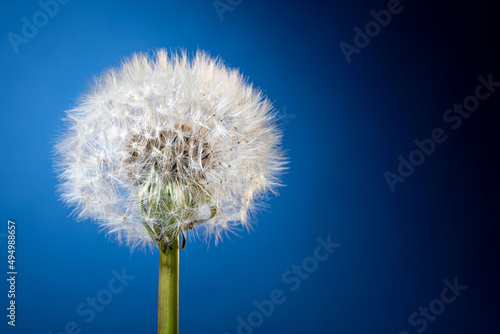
{"x": 165, "y": 147}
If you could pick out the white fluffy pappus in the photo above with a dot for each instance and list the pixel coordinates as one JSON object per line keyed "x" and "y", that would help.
{"x": 167, "y": 144}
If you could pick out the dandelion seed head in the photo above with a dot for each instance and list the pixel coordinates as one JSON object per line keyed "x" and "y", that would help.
{"x": 173, "y": 138}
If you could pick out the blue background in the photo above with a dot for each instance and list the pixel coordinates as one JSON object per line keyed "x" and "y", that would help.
{"x": 345, "y": 125}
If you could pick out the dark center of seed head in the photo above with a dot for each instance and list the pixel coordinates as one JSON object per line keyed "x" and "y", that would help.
{"x": 177, "y": 153}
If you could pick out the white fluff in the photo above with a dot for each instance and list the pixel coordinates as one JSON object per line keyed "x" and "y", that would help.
{"x": 169, "y": 119}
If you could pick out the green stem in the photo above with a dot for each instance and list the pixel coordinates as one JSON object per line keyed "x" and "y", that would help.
{"x": 168, "y": 290}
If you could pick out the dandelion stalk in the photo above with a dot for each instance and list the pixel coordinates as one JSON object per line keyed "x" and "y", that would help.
{"x": 168, "y": 290}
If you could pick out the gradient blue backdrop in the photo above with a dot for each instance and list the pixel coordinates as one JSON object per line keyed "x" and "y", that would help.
{"x": 345, "y": 125}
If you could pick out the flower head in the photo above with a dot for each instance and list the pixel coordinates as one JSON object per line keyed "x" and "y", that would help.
{"x": 167, "y": 144}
